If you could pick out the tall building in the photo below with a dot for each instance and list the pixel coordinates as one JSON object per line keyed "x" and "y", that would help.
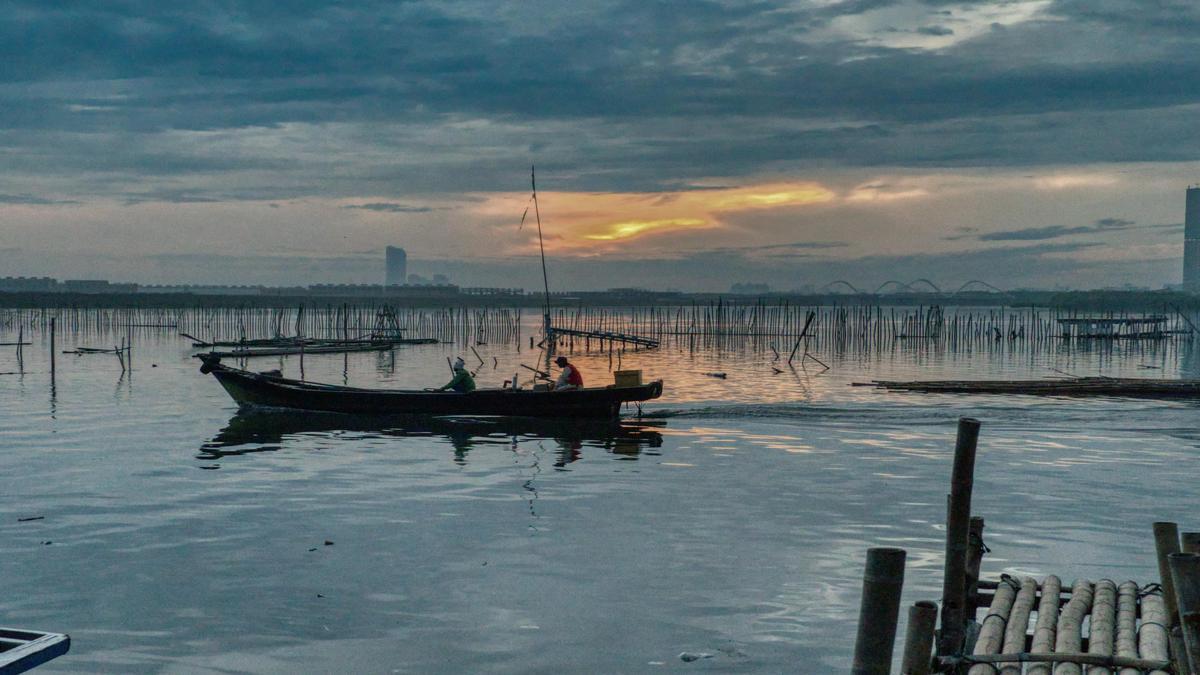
{"x": 1191, "y": 241}
{"x": 397, "y": 266}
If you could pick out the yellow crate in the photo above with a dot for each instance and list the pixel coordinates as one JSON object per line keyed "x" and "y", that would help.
{"x": 628, "y": 378}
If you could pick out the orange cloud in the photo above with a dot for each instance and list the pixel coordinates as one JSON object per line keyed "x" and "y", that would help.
{"x": 590, "y": 218}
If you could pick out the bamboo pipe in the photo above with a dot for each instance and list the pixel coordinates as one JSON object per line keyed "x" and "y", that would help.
{"x": 1018, "y": 623}
{"x": 1126, "y": 639}
{"x": 1070, "y": 659}
{"x": 1152, "y": 634}
{"x": 918, "y": 641}
{"x": 883, "y": 580}
{"x": 991, "y": 631}
{"x": 1070, "y": 626}
{"x": 1103, "y": 623}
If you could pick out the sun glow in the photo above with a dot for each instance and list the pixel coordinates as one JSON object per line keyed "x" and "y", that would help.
{"x": 634, "y": 228}
{"x": 585, "y": 220}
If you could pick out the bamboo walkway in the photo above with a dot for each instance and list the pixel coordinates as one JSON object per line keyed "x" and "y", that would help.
{"x": 1026, "y": 626}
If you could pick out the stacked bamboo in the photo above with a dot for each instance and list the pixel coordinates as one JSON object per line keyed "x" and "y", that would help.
{"x": 1125, "y": 629}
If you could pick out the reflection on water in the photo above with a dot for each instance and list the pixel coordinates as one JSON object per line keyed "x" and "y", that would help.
{"x": 733, "y": 519}
{"x": 250, "y": 431}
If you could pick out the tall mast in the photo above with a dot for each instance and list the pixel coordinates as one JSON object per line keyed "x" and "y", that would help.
{"x": 542, "y": 246}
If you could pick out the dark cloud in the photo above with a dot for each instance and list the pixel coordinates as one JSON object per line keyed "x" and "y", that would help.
{"x": 1050, "y": 232}
{"x": 33, "y": 200}
{"x": 390, "y": 207}
{"x": 623, "y": 93}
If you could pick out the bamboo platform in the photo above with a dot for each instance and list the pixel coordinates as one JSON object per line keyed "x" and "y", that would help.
{"x": 1027, "y": 626}
{"x": 1128, "y": 387}
{"x": 1127, "y": 628}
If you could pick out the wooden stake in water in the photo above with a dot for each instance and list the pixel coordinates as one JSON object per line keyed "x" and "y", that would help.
{"x": 883, "y": 580}
{"x": 958, "y": 519}
{"x": 1185, "y": 575}
{"x": 918, "y": 640}
{"x": 51, "y": 349}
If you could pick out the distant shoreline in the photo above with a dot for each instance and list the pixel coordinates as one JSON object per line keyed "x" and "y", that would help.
{"x": 1095, "y": 300}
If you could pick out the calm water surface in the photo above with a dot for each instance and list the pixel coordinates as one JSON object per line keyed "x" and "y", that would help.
{"x": 181, "y": 536}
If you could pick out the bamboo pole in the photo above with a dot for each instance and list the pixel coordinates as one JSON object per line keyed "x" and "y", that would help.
{"x": 1018, "y": 624}
{"x": 918, "y": 641}
{"x": 1046, "y": 629}
{"x": 1166, "y": 542}
{"x": 1103, "y": 623}
{"x": 1190, "y": 542}
{"x": 1126, "y": 639}
{"x": 975, "y": 550}
{"x": 1153, "y": 635}
{"x": 883, "y": 580}
{"x": 992, "y": 630}
{"x": 958, "y": 507}
{"x": 1185, "y": 575}
{"x": 1070, "y": 626}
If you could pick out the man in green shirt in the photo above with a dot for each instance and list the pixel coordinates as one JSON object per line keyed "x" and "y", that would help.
{"x": 462, "y": 382}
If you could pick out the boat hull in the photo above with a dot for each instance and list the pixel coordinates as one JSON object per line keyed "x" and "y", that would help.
{"x": 268, "y": 391}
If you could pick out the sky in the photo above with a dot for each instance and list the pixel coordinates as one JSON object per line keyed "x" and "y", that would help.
{"x": 683, "y": 145}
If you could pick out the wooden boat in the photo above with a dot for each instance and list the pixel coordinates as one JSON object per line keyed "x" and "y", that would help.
{"x": 1128, "y": 387}
{"x": 251, "y": 389}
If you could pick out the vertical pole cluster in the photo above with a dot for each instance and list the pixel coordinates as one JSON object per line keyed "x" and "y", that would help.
{"x": 883, "y": 580}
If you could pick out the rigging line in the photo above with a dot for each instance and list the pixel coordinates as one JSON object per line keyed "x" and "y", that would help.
{"x": 542, "y": 246}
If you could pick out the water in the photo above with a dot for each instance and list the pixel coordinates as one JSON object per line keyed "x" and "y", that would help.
{"x": 732, "y": 520}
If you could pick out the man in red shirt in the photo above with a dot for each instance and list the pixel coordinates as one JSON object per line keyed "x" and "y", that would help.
{"x": 569, "y": 378}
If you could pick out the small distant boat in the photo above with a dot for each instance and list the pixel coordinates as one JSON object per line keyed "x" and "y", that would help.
{"x": 269, "y": 390}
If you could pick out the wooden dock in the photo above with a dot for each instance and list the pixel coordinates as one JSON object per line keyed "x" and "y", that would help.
{"x": 1027, "y": 626}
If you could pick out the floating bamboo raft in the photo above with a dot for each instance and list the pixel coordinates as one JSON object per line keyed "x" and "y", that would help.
{"x": 300, "y": 349}
{"x": 1075, "y": 386}
{"x": 1127, "y": 629}
{"x": 1030, "y": 627}
{"x": 603, "y": 336}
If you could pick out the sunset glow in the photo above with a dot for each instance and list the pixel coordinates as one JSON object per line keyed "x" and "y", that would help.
{"x": 634, "y": 228}
{"x": 587, "y": 219}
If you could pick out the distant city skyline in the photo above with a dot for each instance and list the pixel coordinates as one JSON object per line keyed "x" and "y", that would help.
{"x": 786, "y": 143}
